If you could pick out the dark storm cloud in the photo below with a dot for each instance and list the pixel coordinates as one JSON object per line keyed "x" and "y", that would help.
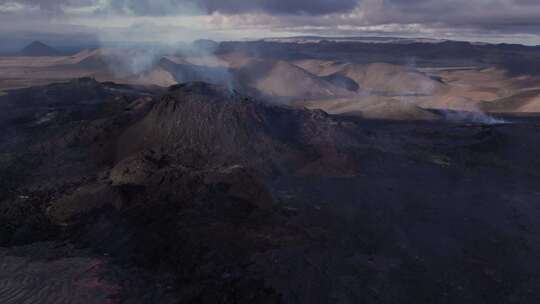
{"x": 484, "y": 13}
{"x": 483, "y": 17}
{"x": 488, "y": 14}
{"x": 49, "y": 5}
{"x": 172, "y": 7}
{"x": 315, "y": 7}
{"x": 312, "y": 7}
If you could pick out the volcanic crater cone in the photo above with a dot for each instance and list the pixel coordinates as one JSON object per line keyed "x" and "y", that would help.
{"x": 209, "y": 124}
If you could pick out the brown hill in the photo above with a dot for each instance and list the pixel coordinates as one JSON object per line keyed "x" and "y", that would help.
{"x": 320, "y": 67}
{"x": 524, "y": 102}
{"x": 281, "y": 79}
{"x": 372, "y": 107}
{"x": 391, "y": 79}
{"x": 381, "y": 78}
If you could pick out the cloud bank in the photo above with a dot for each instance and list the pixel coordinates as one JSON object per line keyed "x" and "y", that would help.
{"x": 484, "y": 20}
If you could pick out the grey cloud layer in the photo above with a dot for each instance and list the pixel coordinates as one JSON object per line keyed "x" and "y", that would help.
{"x": 495, "y": 14}
{"x": 483, "y": 16}
{"x": 479, "y": 12}
{"x": 171, "y": 7}
{"x": 50, "y": 5}
{"x": 282, "y": 6}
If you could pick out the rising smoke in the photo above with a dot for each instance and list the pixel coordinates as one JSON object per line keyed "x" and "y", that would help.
{"x": 426, "y": 86}
{"x": 140, "y": 49}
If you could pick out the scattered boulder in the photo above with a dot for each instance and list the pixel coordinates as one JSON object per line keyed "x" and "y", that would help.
{"x": 240, "y": 183}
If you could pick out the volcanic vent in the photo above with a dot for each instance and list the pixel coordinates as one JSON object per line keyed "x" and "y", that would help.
{"x": 199, "y": 123}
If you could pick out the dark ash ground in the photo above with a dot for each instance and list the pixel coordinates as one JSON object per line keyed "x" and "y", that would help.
{"x": 118, "y": 194}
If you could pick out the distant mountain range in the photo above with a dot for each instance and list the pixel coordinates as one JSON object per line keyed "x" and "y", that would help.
{"x": 318, "y": 39}
{"x": 38, "y": 48}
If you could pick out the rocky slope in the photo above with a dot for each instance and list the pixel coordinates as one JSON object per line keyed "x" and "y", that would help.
{"x": 203, "y": 195}
{"x": 281, "y": 80}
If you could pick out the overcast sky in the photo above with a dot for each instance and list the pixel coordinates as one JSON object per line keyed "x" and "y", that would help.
{"x": 171, "y": 21}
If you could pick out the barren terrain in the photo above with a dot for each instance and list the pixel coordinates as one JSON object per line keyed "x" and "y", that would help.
{"x": 286, "y": 175}
{"x": 379, "y": 89}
